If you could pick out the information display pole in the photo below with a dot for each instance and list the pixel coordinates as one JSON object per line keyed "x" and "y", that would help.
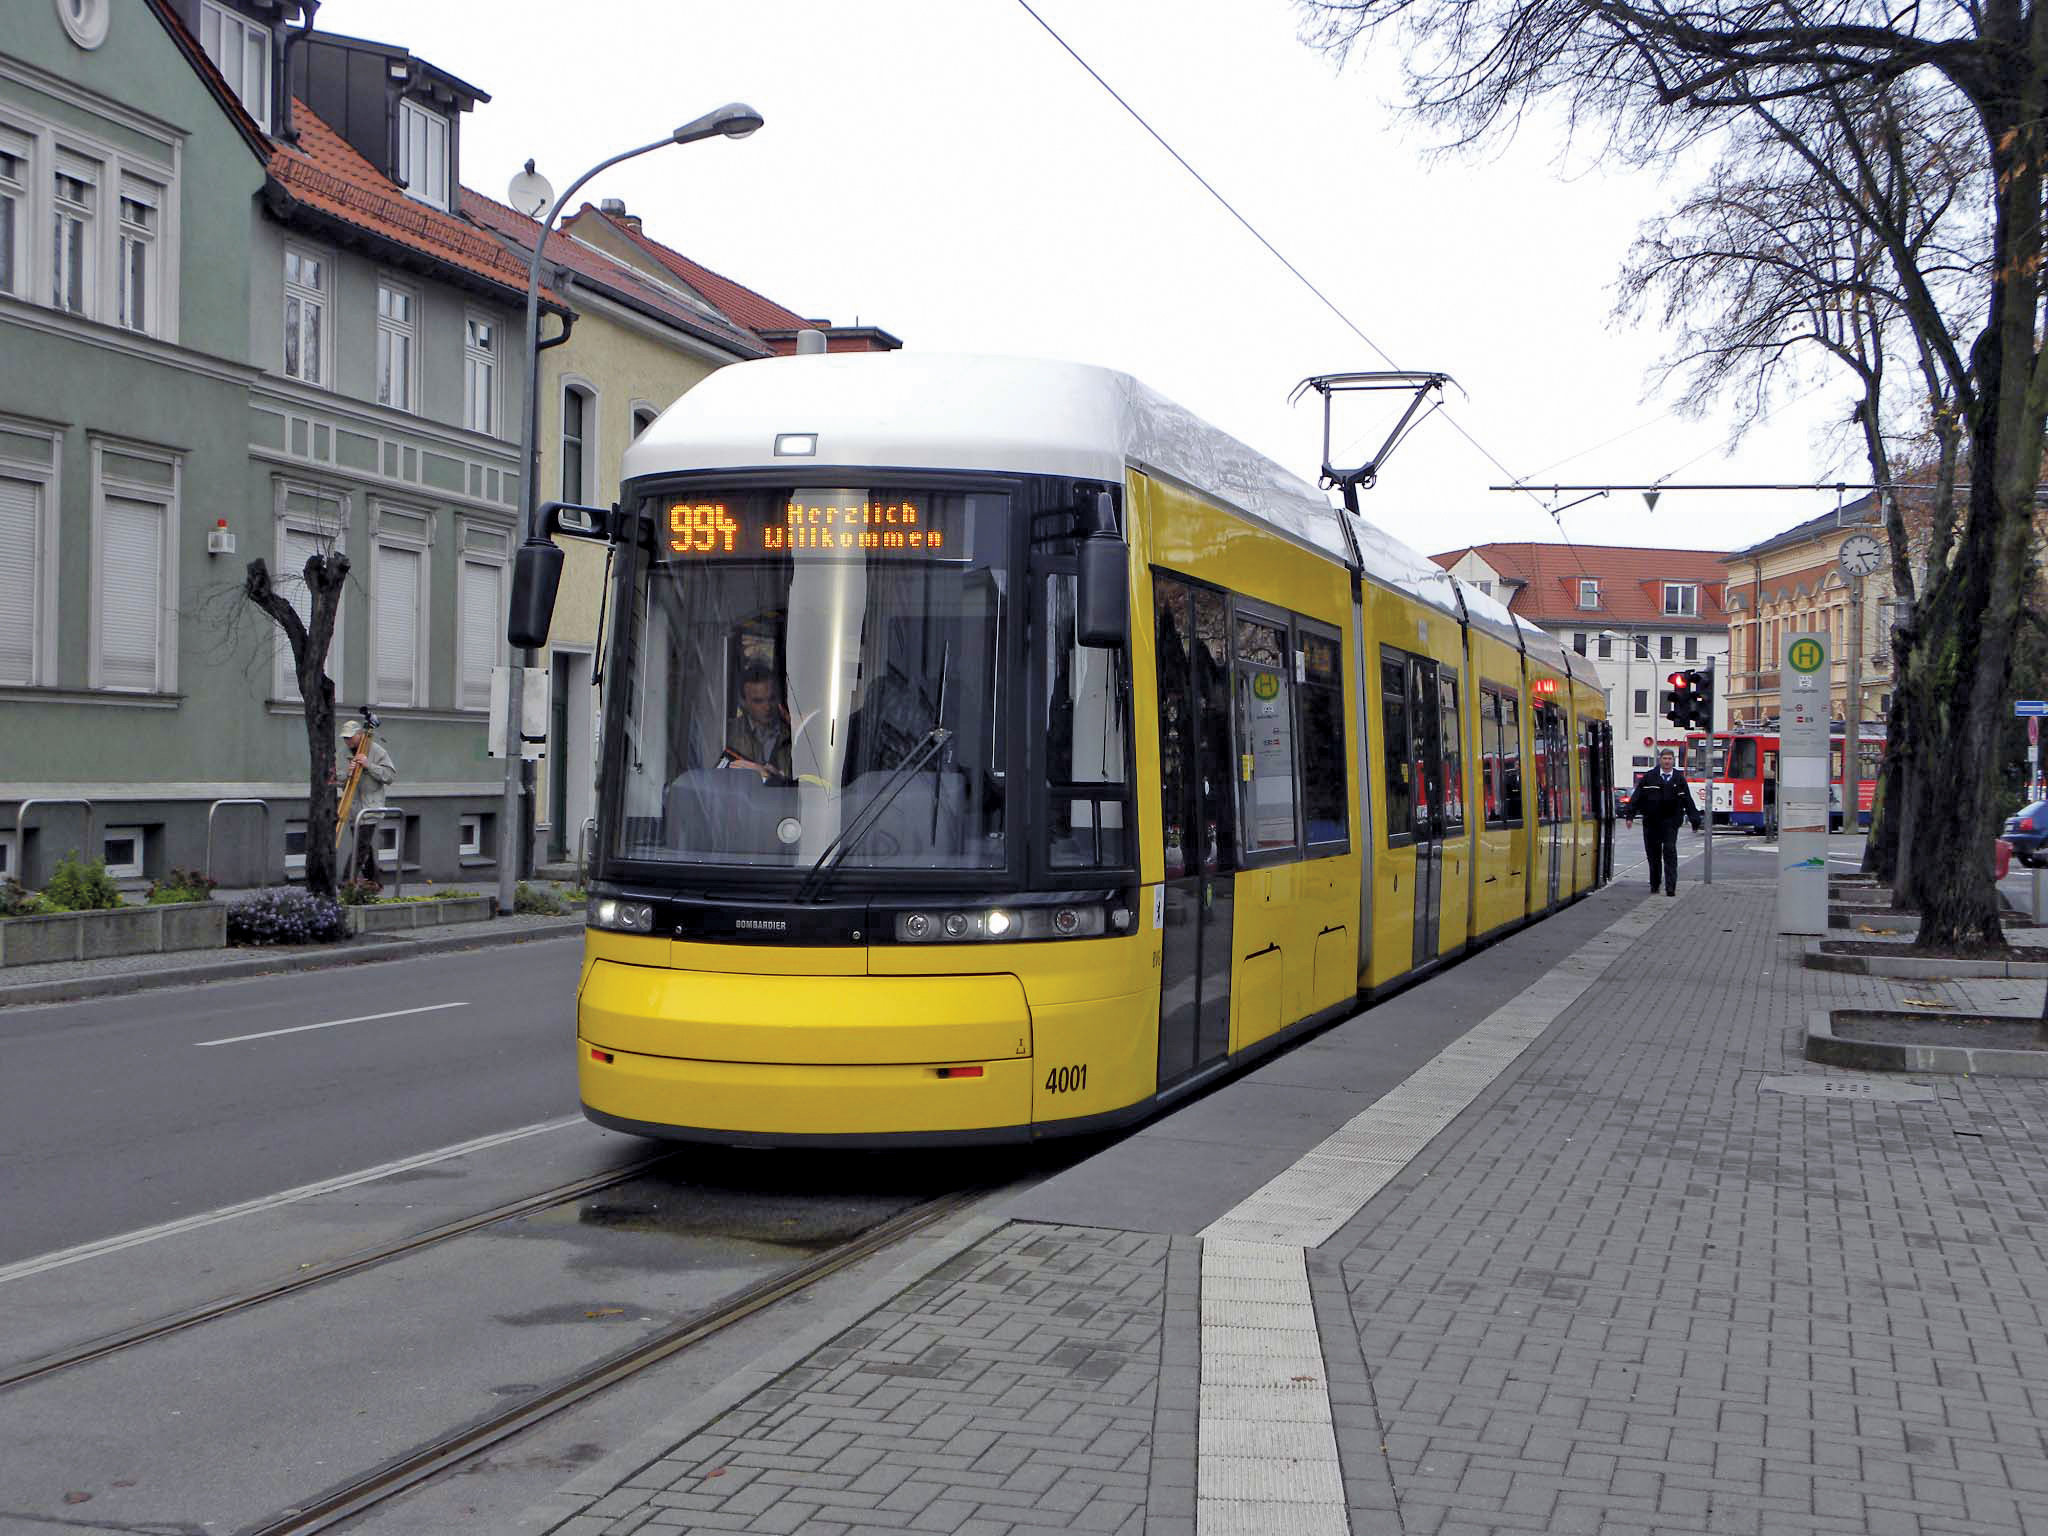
{"x": 1707, "y": 791}
{"x": 1803, "y": 715}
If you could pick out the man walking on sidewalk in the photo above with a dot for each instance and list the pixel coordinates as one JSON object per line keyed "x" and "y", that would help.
{"x": 1661, "y": 798}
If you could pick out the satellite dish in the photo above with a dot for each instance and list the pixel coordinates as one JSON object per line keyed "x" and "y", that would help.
{"x": 530, "y": 192}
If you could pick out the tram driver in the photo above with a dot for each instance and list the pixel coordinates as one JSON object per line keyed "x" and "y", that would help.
{"x": 758, "y": 736}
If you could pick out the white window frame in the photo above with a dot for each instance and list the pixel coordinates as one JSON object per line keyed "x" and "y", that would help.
{"x": 168, "y": 501}
{"x": 90, "y": 173}
{"x": 127, "y": 869}
{"x": 473, "y": 694}
{"x": 431, "y": 187}
{"x": 17, "y": 188}
{"x": 482, "y": 360}
{"x": 389, "y": 836}
{"x": 283, "y": 680}
{"x": 635, "y": 425}
{"x": 469, "y": 836}
{"x": 1589, "y": 592}
{"x": 387, "y": 532}
{"x": 323, "y": 297}
{"x": 390, "y": 332}
{"x": 217, "y": 18}
{"x": 148, "y": 238}
{"x": 1682, "y": 599}
{"x": 586, "y": 441}
{"x": 43, "y": 594}
{"x": 295, "y": 862}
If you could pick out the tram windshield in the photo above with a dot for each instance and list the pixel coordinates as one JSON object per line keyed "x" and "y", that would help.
{"x": 816, "y": 675}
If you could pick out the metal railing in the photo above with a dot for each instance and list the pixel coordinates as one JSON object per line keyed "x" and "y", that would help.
{"x": 381, "y": 813}
{"x": 263, "y": 859}
{"x": 21, "y": 821}
{"x": 583, "y": 842}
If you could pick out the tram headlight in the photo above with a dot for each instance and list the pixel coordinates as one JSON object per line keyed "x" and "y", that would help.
{"x": 621, "y": 916}
{"x": 1076, "y": 920}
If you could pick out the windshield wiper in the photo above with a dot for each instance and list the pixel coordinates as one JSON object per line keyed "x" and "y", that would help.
{"x": 835, "y": 853}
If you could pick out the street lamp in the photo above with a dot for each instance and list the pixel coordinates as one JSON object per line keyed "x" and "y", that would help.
{"x": 735, "y": 120}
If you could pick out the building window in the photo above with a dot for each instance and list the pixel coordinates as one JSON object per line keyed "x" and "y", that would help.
{"x": 482, "y": 626}
{"x": 399, "y": 627}
{"x": 1486, "y": 587}
{"x": 578, "y": 417}
{"x": 1579, "y": 642}
{"x": 397, "y": 338}
{"x": 1664, "y": 647}
{"x": 305, "y": 315}
{"x": 1681, "y": 600}
{"x": 1607, "y": 647}
{"x": 7, "y": 866}
{"x": 480, "y": 374}
{"x": 76, "y": 185}
{"x": 423, "y": 153}
{"x": 1589, "y": 593}
{"x": 1692, "y": 647}
{"x": 121, "y": 847}
{"x": 135, "y": 570}
{"x": 1642, "y": 702}
{"x": 28, "y": 557}
{"x": 469, "y": 837}
{"x": 309, "y": 522}
{"x": 141, "y": 217}
{"x": 1642, "y": 647}
{"x": 643, "y": 418}
{"x": 240, "y": 50}
{"x": 294, "y": 847}
{"x": 13, "y": 208}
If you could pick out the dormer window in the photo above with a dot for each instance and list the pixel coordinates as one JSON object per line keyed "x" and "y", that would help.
{"x": 1589, "y": 593}
{"x": 423, "y": 153}
{"x": 1681, "y": 600}
{"x": 240, "y": 50}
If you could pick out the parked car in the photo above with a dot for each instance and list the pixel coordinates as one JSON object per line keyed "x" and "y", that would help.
{"x": 2027, "y": 831}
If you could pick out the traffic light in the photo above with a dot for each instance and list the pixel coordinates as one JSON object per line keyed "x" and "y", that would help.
{"x": 1691, "y": 705}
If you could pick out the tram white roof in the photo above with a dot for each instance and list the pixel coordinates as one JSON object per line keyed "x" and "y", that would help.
{"x": 941, "y": 411}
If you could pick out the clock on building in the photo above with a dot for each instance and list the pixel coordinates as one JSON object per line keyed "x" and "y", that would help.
{"x": 1859, "y": 555}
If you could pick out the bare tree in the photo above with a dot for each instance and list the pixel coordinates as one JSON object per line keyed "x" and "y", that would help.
{"x": 326, "y": 578}
{"x": 1660, "y": 76}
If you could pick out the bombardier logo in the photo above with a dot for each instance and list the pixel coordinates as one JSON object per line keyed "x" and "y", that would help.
{"x": 762, "y": 924}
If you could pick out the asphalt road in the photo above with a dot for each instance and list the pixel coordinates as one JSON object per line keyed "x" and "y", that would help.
{"x": 125, "y": 1112}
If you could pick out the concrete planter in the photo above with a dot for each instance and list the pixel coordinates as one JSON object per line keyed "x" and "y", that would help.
{"x": 120, "y": 931}
{"x": 1825, "y": 1046}
{"x": 1917, "y": 967}
{"x": 400, "y": 916}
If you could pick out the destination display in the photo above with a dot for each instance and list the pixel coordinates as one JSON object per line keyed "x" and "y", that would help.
{"x": 826, "y": 524}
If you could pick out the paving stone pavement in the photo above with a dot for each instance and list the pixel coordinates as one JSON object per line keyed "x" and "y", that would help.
{"x": 1624, "y": 1293}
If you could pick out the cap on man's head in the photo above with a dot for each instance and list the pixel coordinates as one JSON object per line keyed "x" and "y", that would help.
{"x": 352, "y": 728}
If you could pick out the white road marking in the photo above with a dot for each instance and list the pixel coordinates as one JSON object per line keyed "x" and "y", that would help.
{"x": 361, "y": 1018}
{"x": 111, "y": 1245}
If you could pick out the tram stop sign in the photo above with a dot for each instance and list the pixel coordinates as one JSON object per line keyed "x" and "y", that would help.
{"x": 2030, "y": 707}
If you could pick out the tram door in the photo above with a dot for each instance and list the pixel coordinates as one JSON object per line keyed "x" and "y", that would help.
{"x": 1553, "y": 790}
{"x": 1426, "y": 738}
{"x": 1199, "y": 816}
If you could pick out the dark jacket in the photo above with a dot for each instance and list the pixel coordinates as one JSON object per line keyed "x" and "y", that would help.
{"x": 1655, "y": 801}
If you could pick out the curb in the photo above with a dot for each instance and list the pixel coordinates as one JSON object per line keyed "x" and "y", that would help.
{"x": 79, "y": 988}
{"x": 1825, "y": 1047}
{"x": 1921, "y": 967}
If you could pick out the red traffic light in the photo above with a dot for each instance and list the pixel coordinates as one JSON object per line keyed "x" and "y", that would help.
{"x": 1679, "y": 681}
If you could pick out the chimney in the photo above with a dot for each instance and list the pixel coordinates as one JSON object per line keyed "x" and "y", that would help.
{"x": 615, "y": 208}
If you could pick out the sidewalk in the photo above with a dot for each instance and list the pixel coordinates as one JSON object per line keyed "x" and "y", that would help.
{"x": 1542, "y": 1245}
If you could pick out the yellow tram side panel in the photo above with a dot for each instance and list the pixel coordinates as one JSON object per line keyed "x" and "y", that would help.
{"x": 1392, "y": 618}
{"x": 1588, "y": 705}
{"x": 1502, "y": 883}
{"x": 1303, "y": 915}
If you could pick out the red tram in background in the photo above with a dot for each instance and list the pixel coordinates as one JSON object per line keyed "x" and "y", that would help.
{"x": 1744, "y": 772}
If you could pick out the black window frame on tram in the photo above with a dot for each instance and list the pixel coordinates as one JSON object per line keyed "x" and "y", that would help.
{"x": 1248, "y": 611}
{"x": 1327, "y": 747}
{"x": 1397, "y": 747}
{"x": 634, "y": 554}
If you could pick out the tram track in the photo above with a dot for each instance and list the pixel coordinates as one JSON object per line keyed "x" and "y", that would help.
{"x": 358, "y": 1495}
{"x": 13, "y": 1377}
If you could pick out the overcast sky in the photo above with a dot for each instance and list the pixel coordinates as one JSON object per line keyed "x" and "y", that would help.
{"x": 942, "y": 169}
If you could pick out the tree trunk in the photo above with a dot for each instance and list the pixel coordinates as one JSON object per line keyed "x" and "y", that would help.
{"x": 326, "y": 578}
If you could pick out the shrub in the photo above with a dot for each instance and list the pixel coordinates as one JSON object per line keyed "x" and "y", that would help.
{"x": 17, "y": 900}
{"x": 449, "y": 895}
{"x": 286, "y": 917}
{"x": 531, "y": 900}
{"x": 181, "y": 885}
{"x": 359, "y": 893}
{"x": 80, "y": 885}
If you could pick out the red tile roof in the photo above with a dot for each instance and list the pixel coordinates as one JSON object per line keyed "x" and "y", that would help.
{"x": 615, "y": 277}
{"x": 744, "y": 305}
{"x": 1631, "y": 581}
{"x": 325, "y": 175}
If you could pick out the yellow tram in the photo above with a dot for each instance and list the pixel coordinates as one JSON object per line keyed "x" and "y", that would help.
{"x": 993, "y": 750}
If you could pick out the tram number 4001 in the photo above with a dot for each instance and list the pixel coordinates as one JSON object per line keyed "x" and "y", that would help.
{"x": 1066, "y": 1079}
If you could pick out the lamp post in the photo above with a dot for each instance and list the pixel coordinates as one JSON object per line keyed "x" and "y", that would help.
{"x": 735, "y": 120}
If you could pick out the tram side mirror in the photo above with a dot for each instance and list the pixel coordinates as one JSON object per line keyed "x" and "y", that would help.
{"x": 536, "y": 574}
{"x": 1102, "y": 591}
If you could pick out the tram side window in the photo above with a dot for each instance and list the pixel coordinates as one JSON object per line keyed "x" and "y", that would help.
{"x": 1587, "y": 809}
{"x": 1742, "y": 758}
{"x": 1489, "y": 755}
{"x": 1265, "y": 721}
{"x": 1172, "y": 647}
{"x": 1323, "y": 801}
{"x": 1511, "y": 759}
{"x": 1400, "y": 810}
{"x": 1087, "y": 740}
{"x": 1454, "y": 754}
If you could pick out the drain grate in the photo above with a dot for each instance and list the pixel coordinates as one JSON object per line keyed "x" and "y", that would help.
{"x": 1876, "y": 1090}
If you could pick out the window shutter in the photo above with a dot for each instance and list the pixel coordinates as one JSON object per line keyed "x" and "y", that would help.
{"x": 398, "y": 625}
{"x": 481, "y": 608}
{"x": 21, "y": 531}
{"x": 131, "y": 594}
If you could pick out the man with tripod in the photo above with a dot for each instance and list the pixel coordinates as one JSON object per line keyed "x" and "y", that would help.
{"x": 370, "y": 771}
